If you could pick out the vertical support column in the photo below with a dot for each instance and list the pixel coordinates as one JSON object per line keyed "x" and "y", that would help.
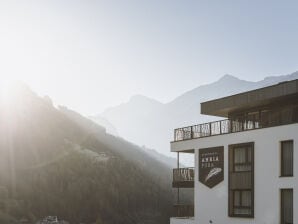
{"x": 178, "y": 189}
{"x": 260, "y": 119}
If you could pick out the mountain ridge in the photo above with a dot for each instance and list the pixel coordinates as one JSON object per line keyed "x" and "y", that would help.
{"x": 139, "y": 122}
{"x": 55, "y": 161}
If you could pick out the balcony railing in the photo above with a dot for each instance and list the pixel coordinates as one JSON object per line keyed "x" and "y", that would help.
{"x": 183, "y": 177}
{"x": 207, "y": 129}
{"x": 262, "y": 120}
{"x": 183, "y": 211}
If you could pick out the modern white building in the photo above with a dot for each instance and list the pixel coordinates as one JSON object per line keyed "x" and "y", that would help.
{"x": 246, "y": 166}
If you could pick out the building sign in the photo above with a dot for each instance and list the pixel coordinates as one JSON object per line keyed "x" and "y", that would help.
{"x": 211, "y": 166}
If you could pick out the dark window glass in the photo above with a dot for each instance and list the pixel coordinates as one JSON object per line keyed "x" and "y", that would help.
{"x": 242, "y": 159}
{"x": 287, "y": 158}
{"x": 287, "y": 115}
{"x": 286, "y": 206}
{"x": 241, "y": 188}
{"x": 242, "y": 202}
{"x": 295, "y": 114}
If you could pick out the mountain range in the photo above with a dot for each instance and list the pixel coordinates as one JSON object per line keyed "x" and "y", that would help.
{"x": 150, "y": 123}
{"x": 54, "y": 161}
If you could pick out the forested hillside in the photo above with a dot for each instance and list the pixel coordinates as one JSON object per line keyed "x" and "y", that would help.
{"x": 56, "y": 162}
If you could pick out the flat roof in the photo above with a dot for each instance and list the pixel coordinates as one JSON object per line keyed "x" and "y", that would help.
{"x": 281, "y": 92}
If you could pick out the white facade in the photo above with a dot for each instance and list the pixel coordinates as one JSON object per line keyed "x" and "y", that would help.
{"x": 211, "y": 205}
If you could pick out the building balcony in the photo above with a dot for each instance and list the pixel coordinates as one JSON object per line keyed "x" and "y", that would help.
{"x": 183, "y": 211}
{"x": 249, "y": 121}
{"x": 183, "y": 177}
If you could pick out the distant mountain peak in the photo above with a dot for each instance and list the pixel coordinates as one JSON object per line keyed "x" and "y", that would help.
{"x": 228, "y": 77}
{"x": 137, "y": 97}
{"x": 140, "y": 98}
{"x": 134, "y": 104}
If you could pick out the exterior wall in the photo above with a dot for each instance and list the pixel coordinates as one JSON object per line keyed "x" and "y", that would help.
{"x": 181, "y": 221}
{"x": 212, "y": 204}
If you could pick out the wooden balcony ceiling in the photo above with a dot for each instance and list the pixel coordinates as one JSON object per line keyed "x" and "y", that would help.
{"x": 285, "y": 93}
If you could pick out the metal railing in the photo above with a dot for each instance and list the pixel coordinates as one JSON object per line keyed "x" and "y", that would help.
{"x": 227, "y": 126}
{"x": 204, "y": 130}
{"x": 183, "y": 174}
{"x": 185, "y": 211}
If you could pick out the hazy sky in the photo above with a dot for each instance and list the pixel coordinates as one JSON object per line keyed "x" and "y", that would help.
{"x": 89, "y": 55}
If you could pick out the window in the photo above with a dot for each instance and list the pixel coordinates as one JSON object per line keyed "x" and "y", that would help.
{"x": 241, "y": 174}
{"x": 242, "y": 159}
{"x": 253, "y": 119}
{"x": 286, "y": 156}
{"x": 286, "y": 206}
{"x": 286, "y": 115}
{"x": 242, "y": 202}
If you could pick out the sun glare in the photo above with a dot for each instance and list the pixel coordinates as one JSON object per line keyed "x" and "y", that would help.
{"x": 4, "y": 89}
{"x": 6, "y": 92}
